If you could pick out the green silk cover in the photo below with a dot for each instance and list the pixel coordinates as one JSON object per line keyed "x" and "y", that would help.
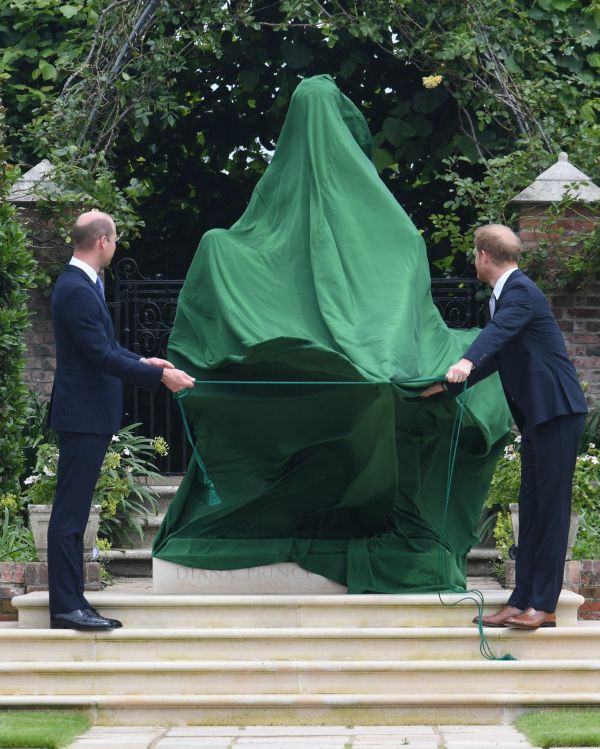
{"x": 325, "y": 278}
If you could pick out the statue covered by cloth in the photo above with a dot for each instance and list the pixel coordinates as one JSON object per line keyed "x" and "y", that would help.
{"x": 325, "y": 279}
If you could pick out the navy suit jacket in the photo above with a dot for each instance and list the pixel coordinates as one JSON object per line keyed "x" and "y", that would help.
{"x": 523, "y": 343}
{"x": 87, "y": 396}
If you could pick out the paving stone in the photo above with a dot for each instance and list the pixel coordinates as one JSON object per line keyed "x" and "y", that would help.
{"x": 395, "y": 740}
{"x": 260, "y": 731}
{"x": 289, "y": 742}
{"x": 369, "y": 731}
{"x": 126, "y": 737}
{"x": 398, "y": 743}
{"x": 193, "y": 743}
{"x": 484, "y": 744}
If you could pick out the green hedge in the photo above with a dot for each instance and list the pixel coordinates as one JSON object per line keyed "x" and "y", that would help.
{"x": 17, "y": 276}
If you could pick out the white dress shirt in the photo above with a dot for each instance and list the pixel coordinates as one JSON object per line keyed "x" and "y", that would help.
{"x": 498, "y": 289}
{"x": 85, "y": 268}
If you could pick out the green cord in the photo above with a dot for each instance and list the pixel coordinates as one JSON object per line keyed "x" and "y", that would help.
{"x": 472, "y": 595}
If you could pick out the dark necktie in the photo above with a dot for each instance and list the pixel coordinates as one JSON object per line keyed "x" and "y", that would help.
{"x": 100, "y": 286}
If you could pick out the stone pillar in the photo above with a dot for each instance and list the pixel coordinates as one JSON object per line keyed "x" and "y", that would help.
{"x": 577, "y": 311}
{"x": 50, "y": 251}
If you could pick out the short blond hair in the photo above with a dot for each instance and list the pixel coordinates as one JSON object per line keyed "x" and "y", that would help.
{"x": 499, "y": 242}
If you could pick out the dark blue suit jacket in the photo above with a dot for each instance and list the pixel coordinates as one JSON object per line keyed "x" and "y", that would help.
{"x": 88, "y": 394}
{"x": 523, "y": 343}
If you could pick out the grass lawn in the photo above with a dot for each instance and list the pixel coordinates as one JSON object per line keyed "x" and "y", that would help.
{"x": 50, "y": 729}
{"x": 561, "y": 727}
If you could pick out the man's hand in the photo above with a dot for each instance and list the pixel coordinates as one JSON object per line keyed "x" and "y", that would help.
{"x": 177, "y": 379}
{"x": 434, "y": 389}
{"x": 160, "y": 363}
{"x": 460, "y": 371}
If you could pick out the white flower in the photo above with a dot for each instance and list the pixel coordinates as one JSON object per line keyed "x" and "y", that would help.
{"x": 518, "y": 439}
{"x": 47, "y": 471}
{"x": 592, "y": 446}
{"x": 129, "y": 469}
{"x": 31, "y": 480}
{"x": 594, "y": 460}
{"x": 114, "y": 438}
{"x": 126, "y": 451}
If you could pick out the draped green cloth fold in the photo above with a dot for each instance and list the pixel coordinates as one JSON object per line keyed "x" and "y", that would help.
{"x": 325, "y": 278}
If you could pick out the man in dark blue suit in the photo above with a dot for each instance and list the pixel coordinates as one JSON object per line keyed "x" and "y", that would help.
{"x": 85, "y": 410}
{"x": 523, "y": 343}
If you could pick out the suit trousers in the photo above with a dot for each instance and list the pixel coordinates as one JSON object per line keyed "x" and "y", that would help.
{"x": 548, "y": 455}
{"x": 79, "y": 462}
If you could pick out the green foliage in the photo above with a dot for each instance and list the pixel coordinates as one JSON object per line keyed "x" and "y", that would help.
{"x": 16, "y": 541}
{"x": 506, "y": 480}
{"x": 41, "y": 484}
{"x": 467, "y": 103}
{"x": 591, "y": 430}
{"x": 85, "y": 182}
{"x": 17, "y": 276}
{"x": 503, "y": 536}
{"x": 35, "y": 430}
{"x": 52, "y": 729}
{"x": 587, "y": 545}
{"x": 504, "y": 490}
{"x": 122, "y": 489}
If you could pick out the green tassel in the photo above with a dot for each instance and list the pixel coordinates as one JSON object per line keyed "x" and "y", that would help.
{"x": 213, "y": 497}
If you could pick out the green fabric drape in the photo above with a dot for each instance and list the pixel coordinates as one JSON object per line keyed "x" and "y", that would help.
{"x": 325, "y": 277}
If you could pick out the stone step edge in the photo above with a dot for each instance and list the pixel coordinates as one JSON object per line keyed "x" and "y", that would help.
{"x": 301, "y": 700}
{"x": 478, "y": 554}
{"x": 304, "y": 633}
{"x": 39, "y": 599}
{"x": 271, "y": 666}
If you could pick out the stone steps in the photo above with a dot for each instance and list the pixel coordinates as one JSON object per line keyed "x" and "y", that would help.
{"x": 281, "y": 659}
{"x": 252, "y": 644}
{"x": 143, "y": 611}
{"x": 279, "y": 677}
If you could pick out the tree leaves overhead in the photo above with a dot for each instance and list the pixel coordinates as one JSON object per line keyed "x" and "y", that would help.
{"x": 184, "y": 100}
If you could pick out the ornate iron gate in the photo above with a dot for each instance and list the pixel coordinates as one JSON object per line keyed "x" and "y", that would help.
{"x": 144, "y": 311}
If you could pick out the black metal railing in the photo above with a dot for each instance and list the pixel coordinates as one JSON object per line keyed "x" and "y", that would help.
{"x": 144, "y": 311}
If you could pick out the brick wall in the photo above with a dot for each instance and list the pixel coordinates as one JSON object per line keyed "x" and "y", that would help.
{"x": 12, "y": 583}
{"x": 578, "y": 316}
{"x": 17, "y": 578}
{"x": 583, "y": 577}
{"x": 577, "y": 312}
{"x": 40, "y": 360}
{"x": 50, "y": 252}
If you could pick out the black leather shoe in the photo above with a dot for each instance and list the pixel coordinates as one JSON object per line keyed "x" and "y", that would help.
{"x": 82, "y": 620}
{"x": 115, "y": 622}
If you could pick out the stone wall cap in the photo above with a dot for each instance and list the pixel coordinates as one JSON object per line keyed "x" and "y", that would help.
{"x": 552, "y": 185}
{"x": 34, "y": 184}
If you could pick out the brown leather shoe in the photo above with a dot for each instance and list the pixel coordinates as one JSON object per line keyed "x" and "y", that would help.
{"x": 532, "y": 619}
{"x": 499, "y": 618}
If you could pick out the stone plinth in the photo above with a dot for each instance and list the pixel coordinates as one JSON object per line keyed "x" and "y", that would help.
{"x": 285, "y": 578}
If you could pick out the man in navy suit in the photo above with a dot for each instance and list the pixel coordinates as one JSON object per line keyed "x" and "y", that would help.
{"x": 523, "y": 343}
{"x": 86, "y": 408}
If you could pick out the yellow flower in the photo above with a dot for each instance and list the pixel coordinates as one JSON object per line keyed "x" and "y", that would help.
{"x": 432, "y": 81}
{"x": 112, "y": 460}
{"x": 160, "y": 446}
{"x": 9, "y": 501}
